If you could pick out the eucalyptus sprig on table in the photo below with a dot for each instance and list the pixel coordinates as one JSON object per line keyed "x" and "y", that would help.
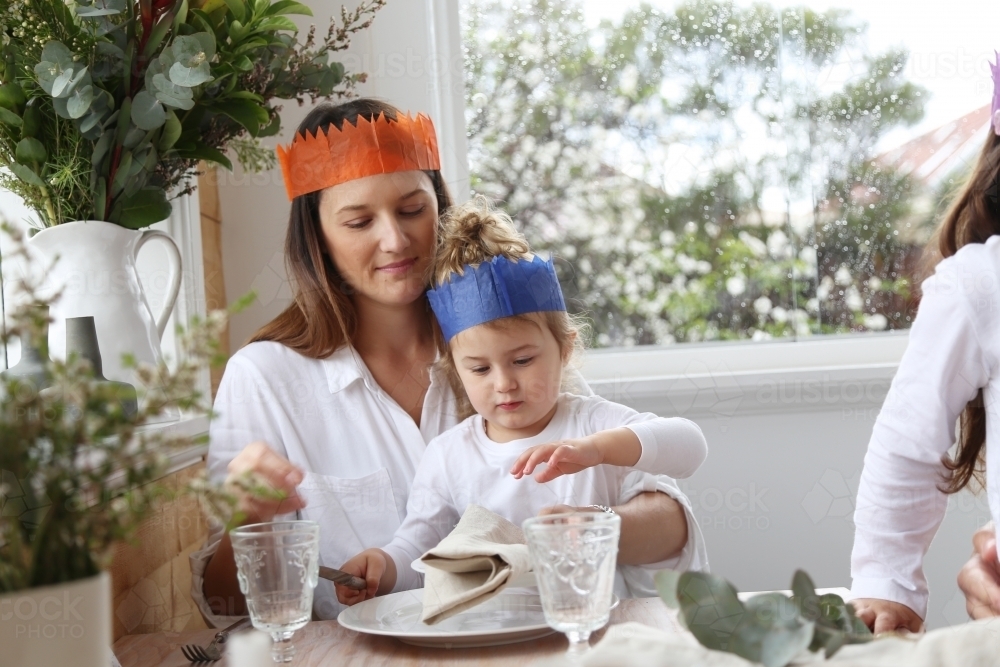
{"x": 770, "y": 628}
{"x": 106, "y": 106}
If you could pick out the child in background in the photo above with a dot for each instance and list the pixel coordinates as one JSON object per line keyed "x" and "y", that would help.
{"x": 525, "y": 445}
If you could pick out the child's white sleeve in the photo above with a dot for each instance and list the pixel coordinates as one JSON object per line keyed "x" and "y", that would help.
{"x": 671, "y": 446}
{"x": 430, "y": 516}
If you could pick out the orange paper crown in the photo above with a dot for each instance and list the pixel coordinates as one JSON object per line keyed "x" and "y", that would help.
{"x": 380, "y": 146}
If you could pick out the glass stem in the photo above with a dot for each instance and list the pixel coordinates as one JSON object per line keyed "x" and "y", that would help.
{"x": 578, "y": 643}
{"x": 282, "y": 650}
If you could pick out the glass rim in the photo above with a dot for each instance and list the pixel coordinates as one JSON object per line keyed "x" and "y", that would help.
{"x": 289, "y": 526}
{"x": 556, "y": 521}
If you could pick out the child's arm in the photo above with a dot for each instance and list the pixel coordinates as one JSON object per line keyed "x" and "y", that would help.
{"x": 621, "y": 436}
{"x": 617, "y": 447}
{"x": 375, "y": 567}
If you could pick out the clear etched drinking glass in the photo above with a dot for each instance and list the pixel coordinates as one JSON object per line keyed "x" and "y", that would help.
{"x": 278, "y": 567}
{"x": 574, "y": 557}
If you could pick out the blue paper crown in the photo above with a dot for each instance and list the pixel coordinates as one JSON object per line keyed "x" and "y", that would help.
{"x": 493, "y": 290}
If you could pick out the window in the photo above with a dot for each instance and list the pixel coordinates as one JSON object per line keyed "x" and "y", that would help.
{"x": 712, "y": 171}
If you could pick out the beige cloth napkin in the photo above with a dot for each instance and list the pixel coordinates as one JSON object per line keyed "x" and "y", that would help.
{"x": 969, "y": 645}
{"x": 475, "y": 562}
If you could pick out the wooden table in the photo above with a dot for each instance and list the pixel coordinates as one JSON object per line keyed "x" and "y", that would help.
{"x": 326, "y": 643}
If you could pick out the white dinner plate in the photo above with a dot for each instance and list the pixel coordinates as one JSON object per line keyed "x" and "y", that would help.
{"x": 515, "y": 615}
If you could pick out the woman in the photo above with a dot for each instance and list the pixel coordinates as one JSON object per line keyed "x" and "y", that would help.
{"x": 949, "y": 372}
{"x": 333, "y": 402}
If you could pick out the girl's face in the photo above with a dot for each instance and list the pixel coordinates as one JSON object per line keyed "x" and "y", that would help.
{"x": 380, "y": 232}
{"x": 512, "y": 374}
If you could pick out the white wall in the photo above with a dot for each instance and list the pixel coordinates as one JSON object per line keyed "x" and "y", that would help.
{"x": 412, "y": 56}
{"x": 786, "y": 450}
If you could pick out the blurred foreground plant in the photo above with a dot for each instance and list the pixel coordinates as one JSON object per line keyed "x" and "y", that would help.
{"x": 79, "y": 472}
{"x": 770, "y": 628}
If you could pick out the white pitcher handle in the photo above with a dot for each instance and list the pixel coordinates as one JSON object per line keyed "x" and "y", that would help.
{"x": 174, "y": 259}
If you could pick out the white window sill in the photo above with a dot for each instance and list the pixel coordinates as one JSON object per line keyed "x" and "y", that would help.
{"x": 845, "y": 373}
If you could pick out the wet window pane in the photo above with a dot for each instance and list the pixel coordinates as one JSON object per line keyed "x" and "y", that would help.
{"x": 708, "y": 170}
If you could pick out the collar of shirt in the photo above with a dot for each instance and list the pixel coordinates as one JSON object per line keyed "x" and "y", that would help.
{"x": 344, "y": 367}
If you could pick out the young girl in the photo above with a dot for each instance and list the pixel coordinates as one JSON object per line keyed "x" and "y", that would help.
{"x": 508, "y": 339}
{"x": 950, "y": 372}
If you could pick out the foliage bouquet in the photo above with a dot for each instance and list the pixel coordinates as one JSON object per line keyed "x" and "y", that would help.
{"x": 107, "y": 106}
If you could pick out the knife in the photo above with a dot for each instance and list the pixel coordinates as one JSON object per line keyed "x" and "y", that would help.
{"x": 342, "y": 578}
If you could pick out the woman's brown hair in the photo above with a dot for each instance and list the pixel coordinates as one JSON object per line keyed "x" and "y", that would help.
{"x": 473, "y": 233}
{"x": 321, "y": 319}
{"x": 973, "y": 217}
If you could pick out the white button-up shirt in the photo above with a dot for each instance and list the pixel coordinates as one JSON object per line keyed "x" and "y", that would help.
{"x": 359, "y": 449}
{"x": 953, "y": 351}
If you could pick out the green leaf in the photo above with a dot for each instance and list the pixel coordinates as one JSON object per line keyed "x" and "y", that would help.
{"x": 208, "y": 44}
{"x": 248, "y": 114}
{"x": 26, "y": 175}
{"x": 771, "y": 631}
{"x": 272, "y": 128}
{"x": 288, "y": 7}
{"x": 666, "y": 585}
{"x": 32, "y": 120}
{"x": 58, "y": 54}
{"x": 182, "y": 14}
{"x": 118, "y": 184}
{"x": 124, "y": 120}
{"x": 146, "y": 207}
{"x": 100, "y": 198}
{"x": 710, "y": 607}
{"x": 171, "y": 132}
{"x": 147, "y": 111}
{"x": 10, "y": 118}
{"x": 243, "y": 63}
{"x": 238, "y": 9}
{"x": 30, "y": 151}
{"x": 276, "y": 23}
{"x": 206, "y": 153}
{"x": 157, "y": 34}
{"x": 79, "y": 102}
{"x": 190, "y": 77}
{"x": 101, "y": 149}
{"x": 12, "y": 97}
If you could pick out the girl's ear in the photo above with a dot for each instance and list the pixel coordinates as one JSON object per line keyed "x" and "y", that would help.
{"x": 567, "y": 351}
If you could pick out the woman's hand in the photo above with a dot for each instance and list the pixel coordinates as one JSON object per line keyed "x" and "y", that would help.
{"x": 886, "y": 616}
{"x": 274, "y": 473}
{"x": 376, "y": 568}
{"x": 979, "y": 578}
{"x": 563, "y": 457}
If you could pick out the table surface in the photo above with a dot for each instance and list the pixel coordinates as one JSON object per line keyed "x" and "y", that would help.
{"x": 326, "y": 643}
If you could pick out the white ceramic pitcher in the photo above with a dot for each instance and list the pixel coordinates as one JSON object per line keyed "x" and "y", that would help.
{"x": 96, "y": 271}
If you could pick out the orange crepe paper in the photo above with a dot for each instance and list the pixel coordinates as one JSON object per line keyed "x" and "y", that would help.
{"x": 315, "y": 162}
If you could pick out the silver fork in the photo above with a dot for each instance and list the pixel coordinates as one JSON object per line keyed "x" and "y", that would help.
{"x": 213, "y": 651}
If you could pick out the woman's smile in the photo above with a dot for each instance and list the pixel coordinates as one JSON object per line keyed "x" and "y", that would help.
{"x": 398, "y": 268}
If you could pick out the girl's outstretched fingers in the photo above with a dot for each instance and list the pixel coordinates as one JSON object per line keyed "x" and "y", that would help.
{"x": 531, "y": 458}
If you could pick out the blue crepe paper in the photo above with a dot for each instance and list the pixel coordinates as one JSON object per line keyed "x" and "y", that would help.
{"x": 493, "y": 290}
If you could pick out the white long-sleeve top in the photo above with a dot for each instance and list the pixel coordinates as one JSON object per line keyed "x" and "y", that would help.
{"x": 953, "y": 349}
{"x": 463, "y": 466}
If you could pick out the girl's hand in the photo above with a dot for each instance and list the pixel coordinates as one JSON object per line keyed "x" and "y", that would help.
{"x": 370, "y": 565}
{"x": 563, "y": 457}
{"x": 276, "y": 476}
{"x": 886, "y": 616}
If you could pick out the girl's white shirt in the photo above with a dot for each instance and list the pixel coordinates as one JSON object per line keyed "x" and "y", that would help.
{"x": 360, "y": 450}
{"x": 953, "y": 351}
{"x": 464, "y": 467}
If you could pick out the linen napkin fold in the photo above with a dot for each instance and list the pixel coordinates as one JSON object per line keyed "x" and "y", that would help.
{"x": 974, "y": 644}
{"x": 472, "y": 564}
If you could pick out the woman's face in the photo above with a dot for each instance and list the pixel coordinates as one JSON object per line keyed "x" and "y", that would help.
{"x": 380, "y": 232}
